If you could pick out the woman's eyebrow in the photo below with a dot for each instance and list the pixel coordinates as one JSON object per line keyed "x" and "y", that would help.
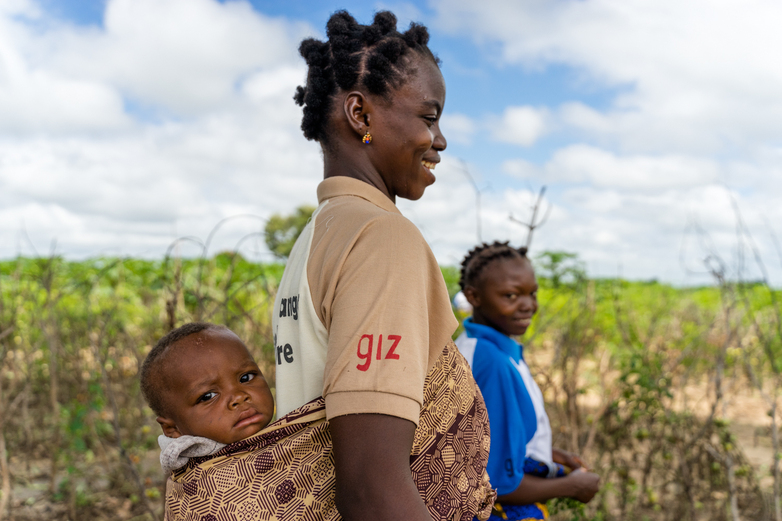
{"x": 434, "y": 104}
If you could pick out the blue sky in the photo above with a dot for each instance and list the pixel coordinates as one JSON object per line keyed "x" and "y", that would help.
{"x": 126, "y": 123}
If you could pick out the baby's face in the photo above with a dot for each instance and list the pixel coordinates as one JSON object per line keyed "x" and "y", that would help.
{"x": 215, "y": 389}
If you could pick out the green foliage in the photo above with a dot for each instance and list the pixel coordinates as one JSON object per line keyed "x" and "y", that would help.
{"x": 573, "y": 509}
{"x": 451, "y": 275}
{"x": 560, "y": 268}
{"x": 615, "y": 356}
{"x": 282, "y": 231}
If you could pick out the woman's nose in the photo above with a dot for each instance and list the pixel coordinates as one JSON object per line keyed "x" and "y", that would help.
{"x": 527, "y": 303}
{"x": 439, "y": 142}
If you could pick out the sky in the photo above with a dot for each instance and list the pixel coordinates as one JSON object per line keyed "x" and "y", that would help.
{"x": 654, "y": 126}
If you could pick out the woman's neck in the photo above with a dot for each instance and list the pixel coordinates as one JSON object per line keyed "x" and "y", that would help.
{"x": 478, "y": 318}
{"x": 355, "y": 165}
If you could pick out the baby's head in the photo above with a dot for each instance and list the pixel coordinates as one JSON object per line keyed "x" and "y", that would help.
{"x": 201, "y": 380}
{"x": 499, "y": 282}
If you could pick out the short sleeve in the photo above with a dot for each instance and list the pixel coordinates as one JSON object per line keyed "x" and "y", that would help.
{"x": 511, "y": 417}
{"x": 390, "y": 320}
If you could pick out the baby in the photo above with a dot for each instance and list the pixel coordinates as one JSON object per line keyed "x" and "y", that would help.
{"x": 206, "y": 390}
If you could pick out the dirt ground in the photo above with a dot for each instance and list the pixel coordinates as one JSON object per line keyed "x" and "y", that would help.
{"x": 101, "y": 501}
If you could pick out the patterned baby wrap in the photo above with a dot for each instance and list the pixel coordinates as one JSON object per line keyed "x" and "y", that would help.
{"x": 286, "y": 471}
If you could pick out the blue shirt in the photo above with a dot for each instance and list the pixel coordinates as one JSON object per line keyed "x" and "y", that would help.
{"x": 512, "y": 417}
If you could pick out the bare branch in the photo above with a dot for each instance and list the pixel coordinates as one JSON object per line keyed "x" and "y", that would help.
{"x": 533, "y": 224}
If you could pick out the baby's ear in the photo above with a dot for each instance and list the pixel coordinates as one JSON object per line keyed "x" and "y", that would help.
{"x": 169, "y": 427}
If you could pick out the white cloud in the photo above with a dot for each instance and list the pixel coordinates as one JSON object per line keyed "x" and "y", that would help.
{"x": 184, "y": 55}
{"x": 583, "y": 163}
{"x": 176, "y": 114}
{"x": 633, "y": 234}
{"x": 693, "y": 123}
{"x": 599, "y": 168}
{"x": 693, "y": 76}
{"x": 521, "y": 169}
{"x": 77, "y": 166}
{"x": 522, "y": 125}
{"x": 19, "y": 8}
{"x": 458, "y": 128}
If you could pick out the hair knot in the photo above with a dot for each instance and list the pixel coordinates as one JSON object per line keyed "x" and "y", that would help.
{"x": 354, "y": 56}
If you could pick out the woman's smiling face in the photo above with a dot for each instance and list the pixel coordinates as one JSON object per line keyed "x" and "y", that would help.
{"x": 407, "y": 140}
{"x": 506, "y": 296}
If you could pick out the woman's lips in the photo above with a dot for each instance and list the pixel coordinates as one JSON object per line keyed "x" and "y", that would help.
{"x": 428, "y": 167}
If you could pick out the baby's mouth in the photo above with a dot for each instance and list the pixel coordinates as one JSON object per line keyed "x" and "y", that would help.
{"x": 248, "y": 417}
{"x": 428, "y": 164}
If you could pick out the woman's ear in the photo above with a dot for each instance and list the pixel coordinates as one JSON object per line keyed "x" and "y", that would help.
{"x": 169, "y": 427}
{"x": 358, "y": 110}
{"x": 472, "y": 296}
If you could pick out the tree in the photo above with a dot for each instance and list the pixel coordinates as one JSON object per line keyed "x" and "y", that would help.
{"x": 282, "y": 231}
{"x": 563, "y": 268}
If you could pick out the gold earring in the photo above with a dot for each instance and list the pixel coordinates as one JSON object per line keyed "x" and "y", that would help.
{"x": 367, "y": 139}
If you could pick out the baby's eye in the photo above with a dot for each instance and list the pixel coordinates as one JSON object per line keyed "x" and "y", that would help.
{"x": 511, "y": 296}
{"x": 246, "y": 377}
{"x": 207, "y": 396}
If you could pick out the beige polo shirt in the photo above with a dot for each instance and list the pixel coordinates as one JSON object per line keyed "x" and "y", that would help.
{"x": 362, "y": 311}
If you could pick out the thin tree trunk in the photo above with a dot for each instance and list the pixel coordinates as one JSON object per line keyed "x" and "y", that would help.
{"x": 775, "y": 444}
{"x": 54, "y": 404}
{"x": 734, "y": 501}
{"x": 117, "y": 430}
{"x": 5, "y": 472}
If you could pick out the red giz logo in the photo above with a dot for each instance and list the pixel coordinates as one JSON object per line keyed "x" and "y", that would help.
{"x": 367, "y": 341}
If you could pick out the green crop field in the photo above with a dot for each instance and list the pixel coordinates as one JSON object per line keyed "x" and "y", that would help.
{"x": 669, "y": 393}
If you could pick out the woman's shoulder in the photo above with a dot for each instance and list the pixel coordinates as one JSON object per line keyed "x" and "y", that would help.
{"x": 357, "y": 213}
{"x": 360, "y": 225}
{"x": 488, "y": 358}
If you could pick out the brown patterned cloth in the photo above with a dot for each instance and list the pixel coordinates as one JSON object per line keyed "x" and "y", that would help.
{"x": 286, "y": 471}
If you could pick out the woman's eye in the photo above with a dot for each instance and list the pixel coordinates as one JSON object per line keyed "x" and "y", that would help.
{"x": 246, "y": 377}
{"x": 207, "y": 396}
{"x": 511, "y": 296}
{"x": 431, "y": 119}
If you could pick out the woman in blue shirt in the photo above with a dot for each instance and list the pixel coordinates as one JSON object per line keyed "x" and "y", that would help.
{"x": 499, "y": 282}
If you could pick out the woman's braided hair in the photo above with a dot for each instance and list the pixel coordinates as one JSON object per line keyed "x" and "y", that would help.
{"x": 481, "y": 256}
{"x": 354, "y": 56}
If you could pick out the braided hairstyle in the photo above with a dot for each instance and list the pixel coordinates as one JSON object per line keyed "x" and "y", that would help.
{"x": 372, "y": 57}
{"x": 481, "y": 256}
{"x": 151, "y": 386}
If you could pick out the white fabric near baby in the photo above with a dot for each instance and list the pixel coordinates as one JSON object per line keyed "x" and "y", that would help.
{"x": 175, "y": 452}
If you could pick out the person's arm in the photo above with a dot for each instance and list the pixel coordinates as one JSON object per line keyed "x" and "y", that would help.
{"x": 579, "y": 484}
{"x": 372, "y": 467}
{"x": 568, "y": 459}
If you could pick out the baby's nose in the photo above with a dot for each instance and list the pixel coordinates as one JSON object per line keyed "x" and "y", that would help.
{"x": 238, "y": 399}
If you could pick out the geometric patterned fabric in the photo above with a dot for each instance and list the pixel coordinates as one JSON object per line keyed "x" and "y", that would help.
{"x": 286, "y": 471}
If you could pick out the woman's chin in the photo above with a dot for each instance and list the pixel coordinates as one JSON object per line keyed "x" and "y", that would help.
{"x": 413, "y": 195}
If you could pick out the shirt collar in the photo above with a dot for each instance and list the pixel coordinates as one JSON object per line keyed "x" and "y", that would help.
{"x": 341, "y": 185}
{"x": 503, "y": 342}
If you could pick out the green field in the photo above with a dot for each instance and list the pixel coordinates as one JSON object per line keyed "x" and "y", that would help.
{"x": 642, "y": 378}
